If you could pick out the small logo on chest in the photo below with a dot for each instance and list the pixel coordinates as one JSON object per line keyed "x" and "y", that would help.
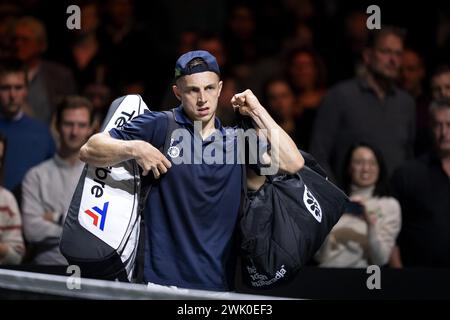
{"x": 173, "y": 151}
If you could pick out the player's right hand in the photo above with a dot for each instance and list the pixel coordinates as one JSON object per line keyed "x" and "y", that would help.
{"x": 150, "y": 159}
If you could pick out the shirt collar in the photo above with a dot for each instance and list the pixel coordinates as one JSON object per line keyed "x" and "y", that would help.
{"x": 182, "y": 118}
{"x": 60, "y": 162}
{"x": 364, "y": 192}
{"x": 17, "y": 117}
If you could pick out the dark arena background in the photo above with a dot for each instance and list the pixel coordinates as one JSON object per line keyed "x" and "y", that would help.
{"x": 325, "y": 72}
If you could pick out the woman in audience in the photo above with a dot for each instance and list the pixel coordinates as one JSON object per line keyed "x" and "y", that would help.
{"x": 366, "y": 232}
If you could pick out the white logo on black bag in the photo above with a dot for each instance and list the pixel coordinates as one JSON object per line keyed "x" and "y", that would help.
{"x": 312, "y": 204}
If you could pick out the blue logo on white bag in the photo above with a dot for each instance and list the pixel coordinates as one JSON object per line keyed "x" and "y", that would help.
{"x": 312, "y": 205}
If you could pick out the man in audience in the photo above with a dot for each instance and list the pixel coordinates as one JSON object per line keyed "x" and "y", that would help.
{"x": 423, "y": 188}
{"x": 48, "y": 188}
{"x": 411, "y": 80}
{"x": 371, "y": 108}
{"x": 29, "y": 141}
{"x": 48, "y": 81}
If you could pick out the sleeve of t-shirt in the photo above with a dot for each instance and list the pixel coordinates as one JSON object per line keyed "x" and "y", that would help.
{"x": 150, "y": 127}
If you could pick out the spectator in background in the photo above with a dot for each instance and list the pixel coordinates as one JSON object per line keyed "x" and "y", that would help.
{"x": 302, "y": 37}
{"x": 128, "y": 46}
{"x": 440, "y": 83}
{"x": 8, "y": 14}
{"x": 368, "y": 237}
{"x": 344, "y": 61}
{"x": 423, "y": 188}
{"x": 306, "y": 74}
{"x": 187, "y": 41}
{"x": 29, "y": 141}
{"x": 12, "y": 248}
{"x": 243, "y": 46}
{"x": 47, "y": 188}
{"x": 101, "y": 98}
{"x": 86, "y": 57}
{"x": 441, "y": 34}
{"x": 47, "y": 81}
{"x": 371, "y": 108}
{"x": 280, "y": 101}
{"x": 412, "y": 73}
{"x": 411, "y": 80}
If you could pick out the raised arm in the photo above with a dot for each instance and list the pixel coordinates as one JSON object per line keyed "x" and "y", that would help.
{"x": 102, "y": 150}
{"x": 284, "y": 150}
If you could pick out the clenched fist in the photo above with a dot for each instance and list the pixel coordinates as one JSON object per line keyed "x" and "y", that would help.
{"x": 246, "y": 102}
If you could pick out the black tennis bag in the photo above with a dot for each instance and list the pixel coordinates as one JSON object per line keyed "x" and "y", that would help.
{"x": 285, "y": 222}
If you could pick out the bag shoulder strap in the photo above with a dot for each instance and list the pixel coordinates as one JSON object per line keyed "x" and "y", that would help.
{"x": 172, "y": 125}
{"x": 312, "y": 163}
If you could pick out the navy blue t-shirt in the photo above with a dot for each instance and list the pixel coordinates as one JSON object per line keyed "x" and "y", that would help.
{"x": 191, "y": 212}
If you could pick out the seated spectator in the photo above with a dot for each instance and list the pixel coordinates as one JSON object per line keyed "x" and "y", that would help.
{"x": 12, "y": 248}
{"x": 47, "y": 81}
{"x": 29, "y": 141}
{"x": 423, "y": 188}
{"x": 368, "y": 237}
{"x": 48, "y": 187}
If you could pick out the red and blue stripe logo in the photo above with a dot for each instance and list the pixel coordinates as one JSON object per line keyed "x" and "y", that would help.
{"x": 98, "y": 216}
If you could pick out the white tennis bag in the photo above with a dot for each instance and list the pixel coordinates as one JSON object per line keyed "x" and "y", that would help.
{"x": 102, "y": 227}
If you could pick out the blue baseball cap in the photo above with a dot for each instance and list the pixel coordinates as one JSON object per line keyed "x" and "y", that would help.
{"x": 182, "y": 68}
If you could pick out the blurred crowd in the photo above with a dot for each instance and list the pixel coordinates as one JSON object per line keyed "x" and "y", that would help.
{"x": 372, "y": 106}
